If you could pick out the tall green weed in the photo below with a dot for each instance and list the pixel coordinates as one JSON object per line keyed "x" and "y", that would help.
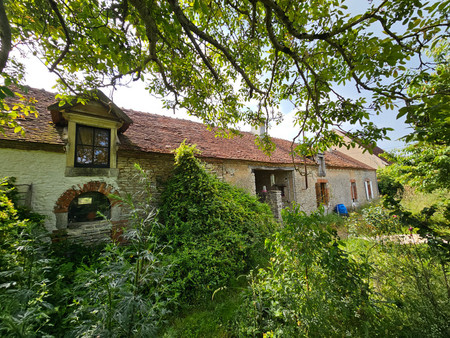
{"x": 124, "y": 293}
{"x": 25, "y": 309}
{"x": 311, "y": 287}
{"x": 114, "y": 291}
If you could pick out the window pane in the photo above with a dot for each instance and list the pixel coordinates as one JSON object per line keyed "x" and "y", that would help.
{"x": 92, "y": 147}
{"x": 100, "y": 156}
{"x": 85, "y": 135}
{"x": 84, "y": 155}
{"x": 101, "y": 138}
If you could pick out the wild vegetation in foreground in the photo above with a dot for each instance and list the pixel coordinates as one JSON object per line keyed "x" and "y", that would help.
{"x": 305, "y": 280}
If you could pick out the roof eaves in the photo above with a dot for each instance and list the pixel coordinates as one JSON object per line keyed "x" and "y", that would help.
{"x": 102, "y": 99}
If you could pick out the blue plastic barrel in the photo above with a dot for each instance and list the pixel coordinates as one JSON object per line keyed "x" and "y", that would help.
{"x": 341, "y": 209}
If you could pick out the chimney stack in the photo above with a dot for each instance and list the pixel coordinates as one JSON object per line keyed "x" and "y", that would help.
{"x": 259, "y": 130}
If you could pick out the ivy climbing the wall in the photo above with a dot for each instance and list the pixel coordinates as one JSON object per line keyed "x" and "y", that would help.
{"x": 215, "y": 231}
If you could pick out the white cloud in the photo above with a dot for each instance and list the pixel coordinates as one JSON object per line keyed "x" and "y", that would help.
{"x": 286, "y": 129}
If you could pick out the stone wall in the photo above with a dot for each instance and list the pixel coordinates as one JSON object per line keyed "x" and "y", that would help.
{"x": 237, "y": 173}
{"x": 304, "y": 191}
{"x": 44, "y": 171}
{"x": 158, "y": 168}
{"x": 340, "y": 186}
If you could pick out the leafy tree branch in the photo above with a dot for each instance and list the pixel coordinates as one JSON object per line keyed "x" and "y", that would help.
{"x": 217, "y": 58}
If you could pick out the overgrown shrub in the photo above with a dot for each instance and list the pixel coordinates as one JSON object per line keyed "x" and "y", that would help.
{"x": 387, "y": 184}
{"x": 215, "y": 231}
{"x": 311, "y": 288}
{"x": 374, "y": 220}
{"x": 24, "y": 269}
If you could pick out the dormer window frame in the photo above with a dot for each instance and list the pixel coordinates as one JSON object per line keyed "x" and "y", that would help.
{"x": 92, "y": 109}
{"x": 75, "y": 118}
{"x": 93, "y": 146}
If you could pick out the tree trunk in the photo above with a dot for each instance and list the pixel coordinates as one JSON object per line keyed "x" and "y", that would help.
{"x": 5, "y": 37}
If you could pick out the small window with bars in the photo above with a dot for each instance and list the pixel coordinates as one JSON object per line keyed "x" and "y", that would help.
{"x": 92, "y": 147}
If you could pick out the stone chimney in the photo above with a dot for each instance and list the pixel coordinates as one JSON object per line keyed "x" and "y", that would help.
{"x": 259, "y": 130}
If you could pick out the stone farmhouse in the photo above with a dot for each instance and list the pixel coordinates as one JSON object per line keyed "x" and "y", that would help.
{"x": 73, "y": 156}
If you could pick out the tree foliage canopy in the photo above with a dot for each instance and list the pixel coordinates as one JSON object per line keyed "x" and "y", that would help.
{"x": 425, "y": 164}
{"x": 228, "y": 61}
{"x": 422, "y": 165}
{"x": 430, "y": 116}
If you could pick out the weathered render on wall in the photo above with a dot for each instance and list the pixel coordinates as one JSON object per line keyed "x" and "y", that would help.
{"x": 44, "y": 171}
{"x": 340, "y": 183}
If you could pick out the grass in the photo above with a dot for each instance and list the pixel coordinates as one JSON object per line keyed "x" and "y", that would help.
{"x": 415, "y": 201}
{"x": 408, "y": 284}
{"x": 213, "y": 318}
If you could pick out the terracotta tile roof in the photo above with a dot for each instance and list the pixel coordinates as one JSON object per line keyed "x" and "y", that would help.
{"x": 161, "y": 134}
{"x": 40, "y": 129}
{"x": 337, "y": 159}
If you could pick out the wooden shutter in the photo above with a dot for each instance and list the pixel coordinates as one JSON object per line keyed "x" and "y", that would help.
{"x": 318, "y": 194}
{"x": 353, "y": 190}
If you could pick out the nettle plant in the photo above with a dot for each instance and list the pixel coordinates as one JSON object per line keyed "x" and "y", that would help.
{"x": 215, "y": 231}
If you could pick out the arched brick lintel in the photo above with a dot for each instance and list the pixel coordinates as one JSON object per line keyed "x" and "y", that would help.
{"x": 63, "y": 202}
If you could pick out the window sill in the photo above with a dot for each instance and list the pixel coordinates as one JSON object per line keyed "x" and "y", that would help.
{"x": 90, "y": 172}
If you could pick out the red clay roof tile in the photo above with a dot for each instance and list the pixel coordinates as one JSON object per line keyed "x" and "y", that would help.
{"x": 161, "y": 134}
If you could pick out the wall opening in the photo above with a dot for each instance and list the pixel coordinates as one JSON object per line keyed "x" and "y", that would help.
{"x": 267, "y": 180}
{"x": 77, "y": 218}
{"x": 88, "y": 207}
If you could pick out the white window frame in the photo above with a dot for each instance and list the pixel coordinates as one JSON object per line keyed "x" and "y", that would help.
{"x": 369, "y": 192}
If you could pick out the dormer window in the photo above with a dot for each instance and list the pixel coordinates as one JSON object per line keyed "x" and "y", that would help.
{"x": 92, "y": 148}
{"x": 91, "y": 128}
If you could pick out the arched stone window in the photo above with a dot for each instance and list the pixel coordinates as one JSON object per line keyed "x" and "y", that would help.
{"x": 87, "y": 206}
{"x": 98, "y": 192}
